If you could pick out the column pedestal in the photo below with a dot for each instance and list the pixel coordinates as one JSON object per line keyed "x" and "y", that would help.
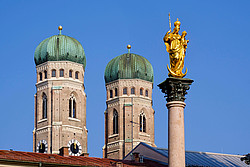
{"x": 175, "y": 90}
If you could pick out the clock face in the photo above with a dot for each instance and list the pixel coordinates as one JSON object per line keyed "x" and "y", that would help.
{"x": 75, "y": 147}
{"x": 42, "y": 147}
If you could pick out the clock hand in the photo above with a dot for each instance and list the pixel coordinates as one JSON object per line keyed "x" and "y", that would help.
{"x": 41, "y": 146}
{"x": 74, "y": 145}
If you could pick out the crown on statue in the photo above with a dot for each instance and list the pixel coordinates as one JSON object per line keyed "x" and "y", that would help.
{"x": 177, "y": 23}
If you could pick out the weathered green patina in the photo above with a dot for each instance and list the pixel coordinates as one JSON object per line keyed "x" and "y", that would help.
{"x": 129, "y": 66}
{"x": 60, "y": 48}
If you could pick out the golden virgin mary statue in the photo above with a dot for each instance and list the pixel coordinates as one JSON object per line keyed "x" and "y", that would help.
{"x": 176, "y": 46}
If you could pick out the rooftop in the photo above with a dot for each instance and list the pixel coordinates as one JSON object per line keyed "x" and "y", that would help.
{"x": 31, "y": 158}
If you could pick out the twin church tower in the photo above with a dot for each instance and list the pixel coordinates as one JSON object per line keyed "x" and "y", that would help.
{"x": 60, "y": 100}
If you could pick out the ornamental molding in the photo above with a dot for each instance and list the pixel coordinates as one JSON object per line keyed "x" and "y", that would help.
{"x": 42, "y": 68}
{"x": 65, "y": 83}
{"x": 113, "y": 104}
{"x": 62, "y": 79}
{"x": 129, "y": 83}
{"x": 42, "y": 130}
{"x": 66, "y": 65}
{"x": 114, "y": 144}
{"x": 135, "y": 82}
{"x": 112, "y": 85}
{"x": 42, "y": 87}
{"x": 137, "y": 101}
{"x": 45, "y": 127}
{"x": 72, "y": 128}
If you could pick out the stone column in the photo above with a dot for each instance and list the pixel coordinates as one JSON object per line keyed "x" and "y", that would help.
{"x": 175, "y": 90}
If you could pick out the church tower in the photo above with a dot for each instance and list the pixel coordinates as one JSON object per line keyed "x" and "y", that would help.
{"x": 60, "y": 100}
{"x": 129, "y": 116}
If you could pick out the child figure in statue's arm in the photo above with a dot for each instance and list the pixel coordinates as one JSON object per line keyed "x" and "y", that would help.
{"x": 184, "y": 42}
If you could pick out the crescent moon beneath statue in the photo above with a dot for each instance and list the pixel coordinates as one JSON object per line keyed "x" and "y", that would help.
{"x": 175, "y": 75}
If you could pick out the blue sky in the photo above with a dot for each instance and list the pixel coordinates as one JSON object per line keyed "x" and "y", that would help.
{"x": 217, "y": 112}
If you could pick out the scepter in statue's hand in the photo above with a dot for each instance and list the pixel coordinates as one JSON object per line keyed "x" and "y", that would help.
{"x": 169, "y": 24}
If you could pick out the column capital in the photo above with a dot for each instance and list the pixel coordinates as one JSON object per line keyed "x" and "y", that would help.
{"x": 175, "y": 89}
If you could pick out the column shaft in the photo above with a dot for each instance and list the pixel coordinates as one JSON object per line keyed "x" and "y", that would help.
{"x": 176, "y": 138}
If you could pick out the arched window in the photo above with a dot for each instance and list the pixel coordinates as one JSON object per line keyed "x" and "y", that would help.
{"x": 44, "y": 106}
{"x": 41, "y": 76}
{"x": 61, "y": 73}
{"x": 141, "y": 91}
{"x": 70, "y": 73}
{"x": 111, "y": 93}
{"x": 146, "y": 93}
{"x": 72, "y": 106}
{"x": 132, "y": 91}
{"x": 45, "y": 74}
{"x": 53, "y": 73}
{"x": 76, "y": 75}
{"x": 115, "y": 122}
{"x": 142, "y": 122}
{"x": 124, "y": 91}
{"x": 116, "y": 92}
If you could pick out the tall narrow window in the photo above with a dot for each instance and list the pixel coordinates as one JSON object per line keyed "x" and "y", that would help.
{"x": 146, "y": 93}
{"x": 142, "y": 123}
{"x": 76, "y": 75}
{"x": 61, "y": 73}
{"x": 70, "y": 73}
{"x": 45, "y": 74}
{"x": 72, "y": 106}
{"x": 53, "y": 73}
{"x": 111, "y": 93}
{"x": 44, "y": 109}
{"x": 141, "y": 91}
{"x": 40, "y": 76}
{"x": 116, "y": 92}
{"x": 115, "y": 122}
{"x": 132, "y": 91}
{"x": 124, "y": 91}
{"x": 74, "y": 109}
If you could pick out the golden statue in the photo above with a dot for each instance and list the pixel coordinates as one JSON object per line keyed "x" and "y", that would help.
{"x": 176, "y": 46}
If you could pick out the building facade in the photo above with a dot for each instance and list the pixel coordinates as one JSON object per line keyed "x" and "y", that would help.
{"x": 60, "y": 100}
{"x": 129, "y": 116}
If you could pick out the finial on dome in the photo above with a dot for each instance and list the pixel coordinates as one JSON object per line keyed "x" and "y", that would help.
{"x": 60, "y": 30}
{"x": 129, "y": 47}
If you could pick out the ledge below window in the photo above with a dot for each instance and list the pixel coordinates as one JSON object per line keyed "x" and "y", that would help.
{"x": 114, "y": 135}
{"x": 144, "y": 134}
{"x": 74, "y": 119}
{"x": 42, "y": 120}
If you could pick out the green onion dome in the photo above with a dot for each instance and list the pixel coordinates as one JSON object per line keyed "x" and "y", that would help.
{"x": 129, "y": 66}
{"x": 60, "y": 48}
